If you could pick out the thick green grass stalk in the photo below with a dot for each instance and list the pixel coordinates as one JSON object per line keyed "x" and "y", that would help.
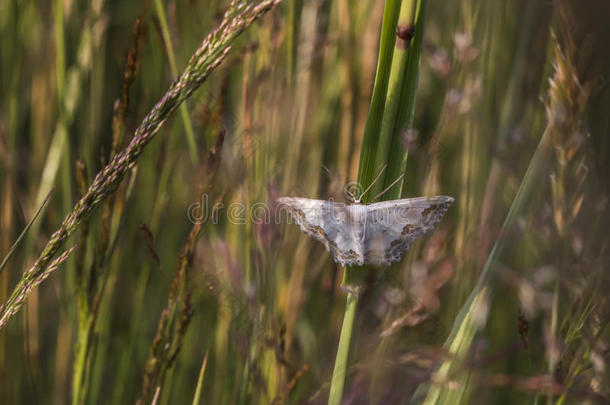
{"x": 365, "y": 176}
{"x": 212, "y": 52}
{"x": 370, "y": 141}
{"x": 403, "y": 88}
{"x": 391, "y": 112}
{"x": 400, "y": 102}
{"x": 397, "y": 155}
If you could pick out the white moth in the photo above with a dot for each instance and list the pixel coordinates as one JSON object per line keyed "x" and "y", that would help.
{"x": 375, "y": 234}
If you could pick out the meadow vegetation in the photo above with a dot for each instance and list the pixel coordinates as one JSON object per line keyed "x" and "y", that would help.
{"x": 140, "y": 143}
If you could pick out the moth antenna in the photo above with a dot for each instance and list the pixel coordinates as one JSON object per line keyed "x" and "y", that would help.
{"x": 389, "y": 187}
{"x": 373, "y": 182}
{"x": 327, "y": 170}
{"x": 350, "y": 196}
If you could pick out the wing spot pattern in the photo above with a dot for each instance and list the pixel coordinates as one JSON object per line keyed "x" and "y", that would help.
{"x": 408, "y": 229}
{"x": 298, "y": 213}
{"x": 319, "y": 231}
{"x": 429, "y": 210}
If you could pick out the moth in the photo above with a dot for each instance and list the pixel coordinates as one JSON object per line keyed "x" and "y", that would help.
{"x": 375, "y": 234}
{"x": 367, "y": 234}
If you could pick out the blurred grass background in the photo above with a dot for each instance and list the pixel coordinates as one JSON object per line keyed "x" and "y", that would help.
{"x": 511, "y": 120}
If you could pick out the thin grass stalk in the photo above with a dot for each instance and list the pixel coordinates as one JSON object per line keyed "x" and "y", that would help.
{"x": 181, "y": 289}
{"x": 471, "y": 317}
{"x": 138, "y": 309}
{"x": 338, "y": 379}
{"x": 208, "y": 57}
{"x": 347, "y": 69}
{"x": 69, "y": 93}
{"x": 60, "y": 72}
{"x": 197, "y": 396}
{"x": 575, "y": 191}
{"x": 295, "y": 8}
{"x": 107, "y": 284}
{"x": 184, "y": 112}
{"x": 82, "y": 298}
{"x": 567, "y": 101}
{"x": 554, "y": 333}
{"x": 472, "y": 150}
{"x": 300, "y": 90}
{"x": 513, "y": 110}
{"x": 14, "y": 246}
{"x": 60, "y": 54}
{"x": 173, "y": 324}
{"x": 9, "y": 98}
{"x": 91, "y": 282}
{"x": 243, "y": 241}
{"x": 324, "y": 88}
{"x": 126, "y": 362}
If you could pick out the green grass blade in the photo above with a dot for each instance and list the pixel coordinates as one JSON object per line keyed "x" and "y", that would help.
{"x": 380, "y": 132}
{"x": 472, "y": 315}
{"x": 184, "y": 112}
{"x": 397, "y": 155}
{"x": 197, "y": 397}
{"x": 366, "y": 171}
{"x": 338, "y": 379}
{"x": 400, "y": 102}
{"x": 11, "y": 251}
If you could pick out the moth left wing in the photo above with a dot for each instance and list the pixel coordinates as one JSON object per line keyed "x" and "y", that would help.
{"x": 391, "y": 226}
{"x": 325, "y": 221}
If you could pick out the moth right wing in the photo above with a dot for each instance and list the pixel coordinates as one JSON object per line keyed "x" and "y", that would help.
{"x": 392, "y": 226}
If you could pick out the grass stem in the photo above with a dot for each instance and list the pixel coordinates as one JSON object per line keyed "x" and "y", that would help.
{"x": 171, "y": 56}
{"x": 338, "y": 380}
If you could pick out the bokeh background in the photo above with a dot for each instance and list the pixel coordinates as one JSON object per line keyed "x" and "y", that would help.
{"x": 511, "y": 119}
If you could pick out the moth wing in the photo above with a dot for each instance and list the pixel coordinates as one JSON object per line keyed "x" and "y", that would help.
{"x": 325, "y": 221}
{"x": 391, "y": 226}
